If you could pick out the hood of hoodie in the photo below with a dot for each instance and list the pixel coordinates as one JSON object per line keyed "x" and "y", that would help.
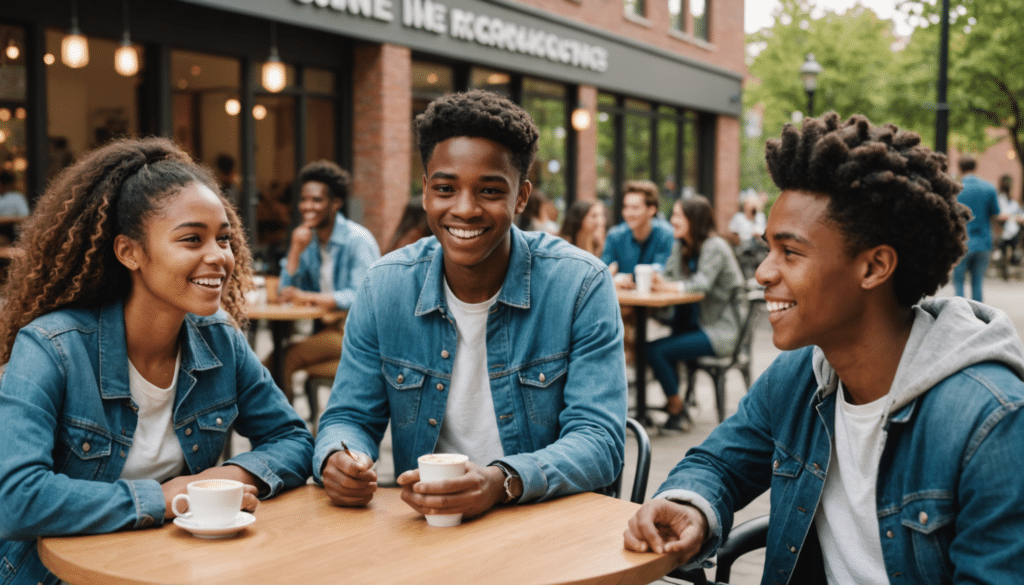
{"x": 948, "y": 335}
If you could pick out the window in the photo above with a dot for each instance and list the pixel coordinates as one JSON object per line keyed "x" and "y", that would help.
{"x": 677, "y": 18}
{"x": 13, "y": 110}
{"x": 429, "y": 81}
{"x": 635, "y": 8}
{"x": 699, "y": 14}
{"x": 689, "y": 17}
{"x": 545, "y": 102}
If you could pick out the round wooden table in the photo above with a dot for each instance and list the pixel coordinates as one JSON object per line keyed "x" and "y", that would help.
{"x": 300, "y": 537}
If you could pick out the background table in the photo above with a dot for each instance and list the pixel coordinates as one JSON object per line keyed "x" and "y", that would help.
{"x": 641, "y": 302}
{"x": 280, "y": 317}
{"x": 300, "y": 537}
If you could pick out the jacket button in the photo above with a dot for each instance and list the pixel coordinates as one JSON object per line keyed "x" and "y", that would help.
{"x": 195, "y": 448}
{"x": 541, "y": 377}
{"x": 122, "y": 453}
{"x": 889, "y": 534}
{"x": 188, "y": 432}
{"x": 775, "y": 464}
{"x": 792, "y": 549}
{"x": 400, "y": 378}
{"x": 86, "y": 447}
{"x": 444, "y": 353}
{"x": 147, "y": 522}
{"x": 922, "y": 518}
{"x": 440, "y": 386}
{"x": 220, "y": 421}
{"x": 432, "y": 422}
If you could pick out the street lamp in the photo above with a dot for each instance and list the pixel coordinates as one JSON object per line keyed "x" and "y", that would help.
{"x": 809, "y": 72}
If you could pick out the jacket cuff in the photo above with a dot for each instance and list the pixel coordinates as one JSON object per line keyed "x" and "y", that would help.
{"x": 254, "y": 464}
{"x": 535, "y": 483}
{"x": 150, "y": 506}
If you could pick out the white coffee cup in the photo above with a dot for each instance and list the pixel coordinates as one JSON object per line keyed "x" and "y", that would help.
{"x": 438, "y": 467}
{"x": 211, "y": 502}
{"x": 643, "y": 275}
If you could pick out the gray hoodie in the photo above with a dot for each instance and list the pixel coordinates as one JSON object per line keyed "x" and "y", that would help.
{"x": 948, "y": 335}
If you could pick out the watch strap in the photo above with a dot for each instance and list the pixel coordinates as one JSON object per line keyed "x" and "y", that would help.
{"x": 510, "y": 475}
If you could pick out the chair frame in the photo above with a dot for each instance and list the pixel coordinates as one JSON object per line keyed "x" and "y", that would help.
{"x": 746, "y": 537}
{"x": 643, "y": 465}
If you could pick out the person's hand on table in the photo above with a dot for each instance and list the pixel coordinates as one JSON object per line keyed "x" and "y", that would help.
{"x": 661, "y": 284}
{"x": 349, "y": 482}
{"x": 179, "y": 485}
{"x": 663, "y": 526}
{"x": 471, "y": 494}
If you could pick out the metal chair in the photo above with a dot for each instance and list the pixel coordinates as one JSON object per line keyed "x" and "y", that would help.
{"x": 746, "y": 537}
{"x": 643, "y": 465}
{"x": 741, "y": 356}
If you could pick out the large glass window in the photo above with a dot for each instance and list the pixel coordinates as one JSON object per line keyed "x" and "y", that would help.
{"x": 545, "y": 102}
{"x": 429, "y": 81}
{"x": 691, "y": 156}
{"x": 13, "y": 110}
{"x": 491, "y": 80}
{"x": 91, "y": 105}
{"x": 606, "y": 174}
{"x": 638, "y": 140}
{"x": 668, "y": 154}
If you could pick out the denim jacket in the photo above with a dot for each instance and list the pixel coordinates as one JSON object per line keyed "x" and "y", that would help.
{"x": 949, "y": 501}
{"x": 68, "y": 421}
{"x": 353, "y": 249}
{"x": 554, "y": 353}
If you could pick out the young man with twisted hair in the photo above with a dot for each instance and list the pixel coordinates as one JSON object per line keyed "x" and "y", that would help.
{"x": 485, "y": 340}
{"x": 890, "y": 429}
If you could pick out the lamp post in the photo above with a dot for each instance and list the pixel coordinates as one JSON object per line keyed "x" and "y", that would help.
{"x": 809, "y": 72}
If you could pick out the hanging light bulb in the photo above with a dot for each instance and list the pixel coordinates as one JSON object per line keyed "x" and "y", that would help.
{"x": 49, "y": 59}
{"x": 232, "y": 106}
{"x": 126, "y": 58}
{"x": 259, "y": 111}
{"x": 12, "y": 50}
{"x": 74, "y": 49}
{"x": 273, "y": 70}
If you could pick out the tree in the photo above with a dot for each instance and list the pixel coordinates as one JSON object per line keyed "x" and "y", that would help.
{"x": 986, "y": 73}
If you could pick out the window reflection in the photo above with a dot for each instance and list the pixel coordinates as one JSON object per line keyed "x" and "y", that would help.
{"x": 668, "y": 151}
{"x": 545, "y": 102}
{"x": 637, "y": 135}
{"x": 606, "y": 149}
{"x": 490, "y": 79}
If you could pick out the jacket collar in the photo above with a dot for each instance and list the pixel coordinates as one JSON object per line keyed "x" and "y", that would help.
{"x": 515, "y": 289}
{"x": 196, "y": 353}
{"x": 339, "y": 234}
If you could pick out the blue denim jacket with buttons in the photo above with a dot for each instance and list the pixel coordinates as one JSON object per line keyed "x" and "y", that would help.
{"x": 68, "y": 421}
{"x": 554, "y": 353}
{"x": 949, "y": 497}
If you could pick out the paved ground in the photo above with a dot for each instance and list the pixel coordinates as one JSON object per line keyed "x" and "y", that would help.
{"x": 669, "y": 447}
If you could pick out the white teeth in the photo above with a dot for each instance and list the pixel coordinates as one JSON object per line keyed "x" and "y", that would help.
{"x": 460, "y": 233}
{"x": 208, "y": 281}
{"x": 777, "y": 306}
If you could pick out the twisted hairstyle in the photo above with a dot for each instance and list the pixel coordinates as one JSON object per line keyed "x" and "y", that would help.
{"x": 68, "y": 242}
{"x": 336, "y": 178}
{"x": 884, "y": 187}
{"x": 701, "y": 217}
{"x": 479, "y": 114}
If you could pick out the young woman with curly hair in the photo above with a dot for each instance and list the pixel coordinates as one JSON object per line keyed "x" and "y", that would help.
{"x": 889, "y": 431}
{"x": 125, "y": 369}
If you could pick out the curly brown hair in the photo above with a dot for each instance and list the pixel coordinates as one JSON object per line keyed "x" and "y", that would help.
{"x": 884, "y": 187}
{"x": 479, "y": 114}
{"x": 68, "y": 242}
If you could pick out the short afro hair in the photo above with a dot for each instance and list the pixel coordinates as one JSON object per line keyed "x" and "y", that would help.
{"x": 336, "y": 178}
{"x": 479, "y": 114}
{"x": 884, "y": 187}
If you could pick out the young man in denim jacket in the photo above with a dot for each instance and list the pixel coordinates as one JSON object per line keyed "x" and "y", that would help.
{"x": 484, "y": 340}
{"x": 890, "y": 435}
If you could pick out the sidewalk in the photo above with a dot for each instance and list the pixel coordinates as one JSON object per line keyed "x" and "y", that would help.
{"x": 667, "y": 448}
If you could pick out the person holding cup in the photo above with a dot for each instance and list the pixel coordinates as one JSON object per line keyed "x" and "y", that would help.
{"x": 483, "y": 340}
{"x": 701, "y": 261}
{"x": 125, "y": 367}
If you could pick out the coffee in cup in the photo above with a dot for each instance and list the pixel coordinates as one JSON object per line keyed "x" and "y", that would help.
{"x": 211, "y": 502}
{"x": 438, "y": 467}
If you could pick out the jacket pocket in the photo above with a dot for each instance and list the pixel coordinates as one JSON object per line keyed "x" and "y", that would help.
{"x": 405, "y": 388}
{"x": 929, "y": 517}
{"x": 82, "y": 450}
{"x": 219, "y": 420}
{"x": 543, "y": 387}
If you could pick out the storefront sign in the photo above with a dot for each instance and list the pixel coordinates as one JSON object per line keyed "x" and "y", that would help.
{"x": 482, "y": 29}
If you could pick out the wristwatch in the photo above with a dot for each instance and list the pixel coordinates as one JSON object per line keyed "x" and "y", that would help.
{"x": 510, "y": 475}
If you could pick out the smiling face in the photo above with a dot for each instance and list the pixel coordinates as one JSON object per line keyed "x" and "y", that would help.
{"x": 636, "y": 213}
{"x": 185, "y": 261}
{"x": 813, "y": 286}
{"x": 317, "y": 206}
{"x": 471, "y": 193}
{"x": 680, "y": 225}
{"x": 594, "y": 220}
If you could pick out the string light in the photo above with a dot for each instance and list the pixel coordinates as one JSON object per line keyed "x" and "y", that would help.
{"x": 74, "y": 48}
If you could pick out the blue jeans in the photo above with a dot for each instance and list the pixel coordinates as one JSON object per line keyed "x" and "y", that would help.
{"x": 664, "y": 353}
{"x": 975, "y": 262}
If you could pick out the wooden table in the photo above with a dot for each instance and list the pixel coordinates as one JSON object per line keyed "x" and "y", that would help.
{"x": 280, "y": 317}
{"x": 641, "y": 302}
{"x": 299, "y": 537}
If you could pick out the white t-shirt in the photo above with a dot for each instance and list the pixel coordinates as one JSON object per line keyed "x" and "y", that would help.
{"x": 846, "y": 519}
{"x": 470, "y": 425}
{"x": 326, "y": 270}
{"x": 155, "y": 452}
{"x": 746, "y": 228}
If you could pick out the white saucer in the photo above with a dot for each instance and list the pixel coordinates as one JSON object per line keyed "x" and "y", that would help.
{"x": 242, "y": 520}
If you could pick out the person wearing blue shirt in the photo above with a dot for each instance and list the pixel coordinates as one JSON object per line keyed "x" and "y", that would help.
{"x": 485, "y": 340}
{"x": 325, "y": 264}
{"x": 981, "y": 197}
{"x": 641, "y": 238}
{"x": 889, "y": 430}
{"x": 124, "y": 367}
